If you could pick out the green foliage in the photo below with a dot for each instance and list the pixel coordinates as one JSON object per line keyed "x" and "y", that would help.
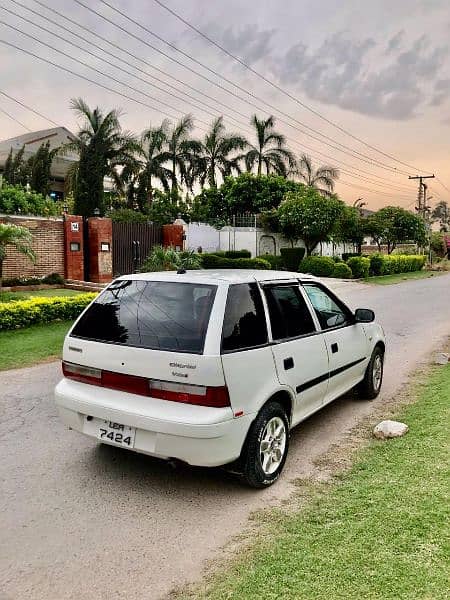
{"x": 342, "y": 271}
{"x": 359, "y": 266}
{"x": 308, "y": 215}
{"x": 270, "y": 150}
{"x": 16, "y": 170}
{"x": 269, "y": 220}
{"x": 320, "y": 266}
{"x": 291, "y": 257}
{"x": 437, "y": 243}
{"x": 350, "y": 226}
{"x": 235, "y": 254}
{"x": 347, "y": 255}
{"x": 164, "y": 210}
{"x": 276, "y": 262}
{"x": 169, "y": 259}
{"x": 52, "y": 279}
{"x": 213, "y": 261}
{"x": 40, "y": 165}
{"x": 14, "y": 315}
{"x": 376, "y": 264}
{"x": 15, "y": 200}
{"x": 392, "y": 225}
{"x": 127, "y": 215}
{"x": 18, "y": 237}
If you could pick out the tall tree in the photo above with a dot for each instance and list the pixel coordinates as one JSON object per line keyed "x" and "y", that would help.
{"x": 151, "y": 159}
{"x": 7, "y": 171}
{"x": 392, "y": 225}
{"x": 16, "y": 168}
{"x": 102, "y": 147}
{"x": 441, "y": 214}
{"x": 181, "y": 150}
{"x": 18, "y": 237}
{"x": 40, "y": 165}
{"x": 323, "y": 178}
{"x": 270, "y": 149}
{"x": 217, "y": 146}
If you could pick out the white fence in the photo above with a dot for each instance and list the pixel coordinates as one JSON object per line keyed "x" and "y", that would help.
{"x": 254, "y": 239}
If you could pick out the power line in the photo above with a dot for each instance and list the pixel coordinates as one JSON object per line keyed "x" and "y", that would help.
{"x": 28, "y": 107}
{"x": 93, "y": 69}
{"x": 354, "y": 153}
{"x": 14, "y": 119}
{"x": 274, "y": 85}
{"x": 141, "y": 70}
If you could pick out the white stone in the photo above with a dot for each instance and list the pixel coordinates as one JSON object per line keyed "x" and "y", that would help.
{"x": 390, "y": 429}
{"x": 441, "y": 358}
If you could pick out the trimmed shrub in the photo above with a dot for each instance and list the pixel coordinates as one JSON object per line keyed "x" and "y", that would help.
{"x": 320, "y": 266}
{"x": 337, "y": 259}
{"x": 347, "y": 255}
{"x": 237, "y": 254}
{"x": 342, "y": 271}
{"x": 376, "y": 264}
{"x": 52, "y": 279}
{"x": 212, "y": 261}
{"x": 22, "y": 313}
{"x": 359, "y": 266}
{"x": 275, "y": 261}
{"x": 402, "y": 263}
{"x": 292, "y": 257}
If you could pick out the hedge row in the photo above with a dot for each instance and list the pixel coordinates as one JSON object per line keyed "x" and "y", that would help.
{"x": 381, "y": 264}
{"x": 22, "y": 313}
{"x": 213, "y": 261}
{"x": 360, "y": 267}
{"x": 52, "y": 279}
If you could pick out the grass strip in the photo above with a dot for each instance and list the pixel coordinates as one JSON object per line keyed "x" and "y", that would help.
{"x": 28, "y": 346}
{"x": 380, "y": 530}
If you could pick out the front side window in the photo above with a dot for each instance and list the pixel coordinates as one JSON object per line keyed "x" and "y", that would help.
{"x": 244, "y": 324}
{"x": 288, "y": 311}
{"x": 160, "y": 315}
{"x": 328, "y": 311}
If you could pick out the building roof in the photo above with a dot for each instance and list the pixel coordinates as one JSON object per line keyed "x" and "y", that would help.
{"x": 57, "y": 136}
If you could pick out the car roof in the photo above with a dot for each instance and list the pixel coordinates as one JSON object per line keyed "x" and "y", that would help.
{"x": 215, "y": 276}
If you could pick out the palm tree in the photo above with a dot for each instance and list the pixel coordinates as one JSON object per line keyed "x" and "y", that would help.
{"x": 270, "y": 149}
{"x": 441, "y": 213}
{"x": 216, "y": 149}
{"x": 149, "y": 165}
{"x": 322, "y": 179}
{"x": 103, "y": 148}
{"x": 18, "y": 237}
{"x": 181, "y": 151}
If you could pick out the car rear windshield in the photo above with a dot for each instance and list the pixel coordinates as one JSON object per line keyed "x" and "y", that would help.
{"x": 160, "y": 315}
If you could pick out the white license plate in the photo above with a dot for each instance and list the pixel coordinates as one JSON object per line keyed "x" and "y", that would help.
{"x": 116, "y": 433}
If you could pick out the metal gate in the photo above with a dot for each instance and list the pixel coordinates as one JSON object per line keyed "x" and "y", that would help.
{"x": 132, "y": 242}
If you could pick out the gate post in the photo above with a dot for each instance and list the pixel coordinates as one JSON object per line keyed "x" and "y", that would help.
{"x": 73, "y": 248}
{"x": 100, "y": 249}
{"x": 173, "y": 235}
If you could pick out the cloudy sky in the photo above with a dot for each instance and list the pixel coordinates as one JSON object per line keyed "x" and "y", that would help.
{"x": 377, "y": 72}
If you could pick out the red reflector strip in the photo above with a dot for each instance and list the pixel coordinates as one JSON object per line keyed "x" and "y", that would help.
{"x": 214, "y": 397}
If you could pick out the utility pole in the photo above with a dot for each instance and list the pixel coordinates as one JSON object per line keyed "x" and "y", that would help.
{"x": 421, "y": 207}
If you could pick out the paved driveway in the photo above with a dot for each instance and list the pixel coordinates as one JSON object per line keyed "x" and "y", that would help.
{"x": 83, "y": 521}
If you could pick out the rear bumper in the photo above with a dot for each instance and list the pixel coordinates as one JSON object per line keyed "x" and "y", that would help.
{"x": 200, "y": 436}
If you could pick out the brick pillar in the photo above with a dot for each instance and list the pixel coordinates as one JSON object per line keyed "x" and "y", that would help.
{"x": 100, "y": 249}
{"x": 73, "y": 248}
{"x": 173, "y": 235}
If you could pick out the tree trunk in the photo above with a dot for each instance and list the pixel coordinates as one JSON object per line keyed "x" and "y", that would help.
{"x": 1, "y": 274}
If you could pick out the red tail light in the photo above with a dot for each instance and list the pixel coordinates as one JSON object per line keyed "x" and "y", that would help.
{"x": 212, "y": 396}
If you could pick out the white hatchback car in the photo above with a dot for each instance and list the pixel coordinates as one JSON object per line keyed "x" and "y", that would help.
{"x": 214, "y": 367}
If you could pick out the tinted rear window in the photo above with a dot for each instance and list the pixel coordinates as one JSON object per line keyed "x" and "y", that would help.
{"x": 159, "y": 315}
{"x": 244, "y": 324}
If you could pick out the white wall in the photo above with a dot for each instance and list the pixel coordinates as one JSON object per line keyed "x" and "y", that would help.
{"x": 257, "y": 241}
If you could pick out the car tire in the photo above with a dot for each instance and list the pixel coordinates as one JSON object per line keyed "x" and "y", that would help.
{"x": 266, "y": 447}
{"x": 370, "y": 386}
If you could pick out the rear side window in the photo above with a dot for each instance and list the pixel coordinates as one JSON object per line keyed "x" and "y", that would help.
{"x": 244, "y": 324}
{"x": 289, "y": 313}
{"x": 160, "y": 315}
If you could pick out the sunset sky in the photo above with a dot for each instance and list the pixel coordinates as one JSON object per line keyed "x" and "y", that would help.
{"x": 377, "y": 70}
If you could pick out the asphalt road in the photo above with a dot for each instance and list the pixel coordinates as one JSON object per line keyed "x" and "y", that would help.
{"x": 80, "y": 520}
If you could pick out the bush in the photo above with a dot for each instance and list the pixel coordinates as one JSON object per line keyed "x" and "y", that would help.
{"x": 52, "y": 279}
{"x": 320, "y": 266}
{"x": 376, "y": 264}
{"x": 212, "y": 261}
{"x": 359, "y": 266}
{"x": 169, "y": 259}
{"x": 402, "y": 263}
{"x": 292, "y": 257}
{"x": 342, "y": 271}
{"x": 22, "y": 313}
{"x": 347, "y": 255}
{"x": 233, "y": 253}
{"x": 15, "y": 200}
{"x": 276, "y": 262}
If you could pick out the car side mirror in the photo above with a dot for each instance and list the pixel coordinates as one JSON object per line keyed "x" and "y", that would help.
{"x": 364, "y": 315}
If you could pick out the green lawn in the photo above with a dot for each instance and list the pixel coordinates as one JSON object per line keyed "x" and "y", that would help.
{"x": 24, "y": 347}
{"x": 11, "y": 296}
{"x": 399, "y": 277}
{"x": 379, "y": 531}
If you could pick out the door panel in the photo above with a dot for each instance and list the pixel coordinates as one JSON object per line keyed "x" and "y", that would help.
{"x": 308, "y": 376}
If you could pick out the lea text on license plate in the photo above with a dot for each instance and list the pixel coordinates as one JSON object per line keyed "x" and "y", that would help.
{"x": 116, "y": 433}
